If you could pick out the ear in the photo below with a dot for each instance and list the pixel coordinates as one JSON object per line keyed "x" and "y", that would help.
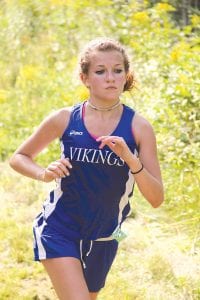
{"x": 84, "y": 79}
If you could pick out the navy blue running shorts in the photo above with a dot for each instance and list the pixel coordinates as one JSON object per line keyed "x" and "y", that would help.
{"x": 96, "y": 256}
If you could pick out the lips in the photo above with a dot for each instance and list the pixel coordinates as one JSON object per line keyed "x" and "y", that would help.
{"x": 111, "y": 88}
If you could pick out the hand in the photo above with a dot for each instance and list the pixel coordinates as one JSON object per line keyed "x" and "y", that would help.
{"x": 57, "y": 169}
{"x": 117, "y": 145}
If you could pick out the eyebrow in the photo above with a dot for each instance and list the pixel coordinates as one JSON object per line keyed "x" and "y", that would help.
{"x": 104, "y": 65}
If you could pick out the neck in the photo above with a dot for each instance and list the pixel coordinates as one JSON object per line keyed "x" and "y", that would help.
{"x": 101, "y": 108}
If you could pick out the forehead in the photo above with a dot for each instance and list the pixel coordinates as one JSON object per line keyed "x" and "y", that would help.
{"x": 104, "y": 58}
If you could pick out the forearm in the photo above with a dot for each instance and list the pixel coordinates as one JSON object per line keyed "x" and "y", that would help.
{"x": 150, "y": 187}
{"x": 24, "y": 165}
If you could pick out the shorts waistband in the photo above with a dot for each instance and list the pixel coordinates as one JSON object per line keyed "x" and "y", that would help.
{"x": 104, "y": 239}
{"x": 109, "y": 238}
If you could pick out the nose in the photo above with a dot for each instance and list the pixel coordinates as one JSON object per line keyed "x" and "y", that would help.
{"x": 110, "y": 77}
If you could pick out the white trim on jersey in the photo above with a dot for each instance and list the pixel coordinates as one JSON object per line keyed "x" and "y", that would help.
{"x": 50, "y": 207}
{"x": 62, "y": 148}
{"x": 48, "y": 210}
{"x": 38, "y": 231}
{"x": 125, "y": 198}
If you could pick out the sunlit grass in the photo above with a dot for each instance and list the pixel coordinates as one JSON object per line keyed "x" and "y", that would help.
{"x": 159, "y": 260}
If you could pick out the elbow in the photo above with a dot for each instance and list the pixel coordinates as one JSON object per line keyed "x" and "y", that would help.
{"x": 12, "y": 161}
{"x": 158, "y": 198}
{"x": 157, "y": 202}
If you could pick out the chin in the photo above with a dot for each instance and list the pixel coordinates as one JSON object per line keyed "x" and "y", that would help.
{"x": 110, "y": 100}
{"x": 107, "y": 97}
{"x": 111, "y": 97}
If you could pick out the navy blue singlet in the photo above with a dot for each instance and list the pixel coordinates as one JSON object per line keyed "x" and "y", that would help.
{"x": 93, "y": 201}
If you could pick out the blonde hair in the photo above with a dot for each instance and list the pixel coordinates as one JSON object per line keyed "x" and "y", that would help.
{"x": 106, "y": 44}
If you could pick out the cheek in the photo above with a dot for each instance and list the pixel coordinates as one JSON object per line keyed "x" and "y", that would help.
{"x": 122, "y": 79}
{"x": 96, "y": 80}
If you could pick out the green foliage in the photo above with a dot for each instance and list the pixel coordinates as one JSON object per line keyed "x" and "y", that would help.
{"x": 40, "y": 42}
{"x": 157, "y": 265}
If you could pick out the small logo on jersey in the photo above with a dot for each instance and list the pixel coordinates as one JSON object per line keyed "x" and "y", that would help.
{"x": 74, "y": 132}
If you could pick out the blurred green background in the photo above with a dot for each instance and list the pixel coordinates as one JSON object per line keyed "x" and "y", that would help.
{"x": 39, "y": 46}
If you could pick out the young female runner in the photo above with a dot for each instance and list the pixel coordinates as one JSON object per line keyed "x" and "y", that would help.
{"x": 105, "y": 148}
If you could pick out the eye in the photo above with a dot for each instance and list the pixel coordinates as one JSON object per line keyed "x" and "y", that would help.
{"x": 99, "y": 72}
{"x": 118, "y": 70}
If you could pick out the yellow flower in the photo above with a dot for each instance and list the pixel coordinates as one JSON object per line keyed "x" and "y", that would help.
{"x": 183, "y": 79}
{"x": 82, "y": 92}
{"x": 183, "y": 91}
{"x": 141, "y": 17}
{"x": 29, "y": 72}
{"x": 195, "y": 20}
{"x": 165, "y": 7}
{"x": 3, "y": 96}
{"x": 180, "y": 50}
{"x": 175, "y": 54}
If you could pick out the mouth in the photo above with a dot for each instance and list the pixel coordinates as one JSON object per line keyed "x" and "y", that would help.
{"x": 111, "y": 88}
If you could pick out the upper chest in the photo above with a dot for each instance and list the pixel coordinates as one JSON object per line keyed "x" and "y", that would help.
{"x": 99, "y": 123}
{"x": 83, "y": 131}
{"x": 98, "y": 126}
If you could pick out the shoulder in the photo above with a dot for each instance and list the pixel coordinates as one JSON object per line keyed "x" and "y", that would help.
{"x": 142, "y": 129}
{"x": 140, "y": 122}
{"x": 62, "y": 113}
{"x": 59, "y": 120}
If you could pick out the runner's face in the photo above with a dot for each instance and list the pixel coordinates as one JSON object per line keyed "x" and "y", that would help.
{"x": 106, "y": 76}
